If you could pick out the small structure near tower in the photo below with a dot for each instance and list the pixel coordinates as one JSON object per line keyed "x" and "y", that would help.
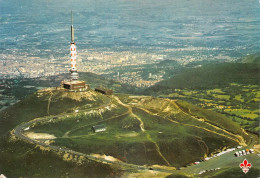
{"x": 104, "y": 91}
{"x": 73, "y": 83}
{"x": 99, "y": 128}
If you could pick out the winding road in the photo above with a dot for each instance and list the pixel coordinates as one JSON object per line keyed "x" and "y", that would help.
{"x": 19, "y": 132}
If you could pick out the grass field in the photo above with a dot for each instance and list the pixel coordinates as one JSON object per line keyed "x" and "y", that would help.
{"x": 160, "y": 138}
{"x": 216, "y": 90}
{"x": 244, "y": 113}
{"x": 238, "y": 102}
{"x": 140, "y": 130}
{"x": 29, "y": 161}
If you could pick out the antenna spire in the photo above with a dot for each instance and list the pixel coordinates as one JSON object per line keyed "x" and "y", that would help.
{"x": 72, "y": 29}
{"x": 71, "y": 18}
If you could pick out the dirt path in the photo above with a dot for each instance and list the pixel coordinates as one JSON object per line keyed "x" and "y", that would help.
{"x": 19, "y": 132}
{"x": 158, "y": 150}
{"x": 130, "y": 110}
{"x": 66, "y": 135}
{"x": 49, "y": 102}
{"x": 142, "y": 128}
{"x": 240, "y": 139}
{"x": 176, "y": 122}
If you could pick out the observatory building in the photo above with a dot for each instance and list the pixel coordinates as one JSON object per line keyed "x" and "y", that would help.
{"x": 73, "y": 83}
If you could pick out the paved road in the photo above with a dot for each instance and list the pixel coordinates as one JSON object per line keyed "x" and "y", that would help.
{"x": 18, "y": 132}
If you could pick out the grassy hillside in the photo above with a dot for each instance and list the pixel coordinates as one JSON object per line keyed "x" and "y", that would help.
{"x": 140, "y": 130}
{"x": 209, "y": 77}
{"x": 19, "y": 89}
{"x": 210, "y": 116}
{"x": 127, "y": 141}
{"x": 36, "y": 105}
{"x": 231, "y": 89}
{"x": 233, "y": 173}
{"x": 254, "y": 59}
{"x": 29, "y": 161}
{"x": 167, "y": 68}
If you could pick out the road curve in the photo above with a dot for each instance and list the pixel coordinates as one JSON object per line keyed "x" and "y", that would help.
{"x": 18, "y": 132}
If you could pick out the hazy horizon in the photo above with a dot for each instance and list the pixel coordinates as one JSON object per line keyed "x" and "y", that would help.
{"x": 37, "y": 27}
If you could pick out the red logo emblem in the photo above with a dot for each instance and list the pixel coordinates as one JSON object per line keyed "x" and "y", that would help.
{"x": 245, "y": 166}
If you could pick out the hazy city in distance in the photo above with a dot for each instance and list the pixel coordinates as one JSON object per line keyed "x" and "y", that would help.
{"x": 129, "y": 88}
{"x": 34, "y": 38}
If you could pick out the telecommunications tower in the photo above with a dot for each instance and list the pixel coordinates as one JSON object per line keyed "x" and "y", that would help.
{"x": 73, "y": 84}
{"x": 73, "y": 54}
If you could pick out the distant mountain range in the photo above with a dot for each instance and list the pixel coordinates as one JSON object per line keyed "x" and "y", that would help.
{"x": 244, "y": 71}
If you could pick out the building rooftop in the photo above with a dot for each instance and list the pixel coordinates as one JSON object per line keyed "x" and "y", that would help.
{"x": 101, "y": 126}
{"x": 73, "y": 82}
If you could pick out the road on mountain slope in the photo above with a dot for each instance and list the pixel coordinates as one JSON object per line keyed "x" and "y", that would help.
{"x": 18, "y": 132}
{"x": 223, "y": 161}
{"x": 143, "y": 130}
{"x": 240, "y": 139}
{"x": 190, "y": 125}
{"x": 130, "y": 110}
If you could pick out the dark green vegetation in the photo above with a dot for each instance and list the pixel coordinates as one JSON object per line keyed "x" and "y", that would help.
{"x": 36, "y": 105}
{"x": 237, "y": 102}
{"x": 172, "y": 137}
{"x": 140, "y": 130}
{"x": 253, "y": 59}
{"x": 228, "y": 88}
{"x": 232, "y": 173}
{"x": 22, "y": 87}
{"x": 210, "y": 77}
{"x": 29, "y": 161}
{"x": 152, "y": 131}
{"x": 176, "y": 176}
{"x": 19, "y": 159}
{"x": 210, "y": 117}
{"x": 166, "y": 68}
{"x": 96, "y": 80}
{"x": 80, "y": 123}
